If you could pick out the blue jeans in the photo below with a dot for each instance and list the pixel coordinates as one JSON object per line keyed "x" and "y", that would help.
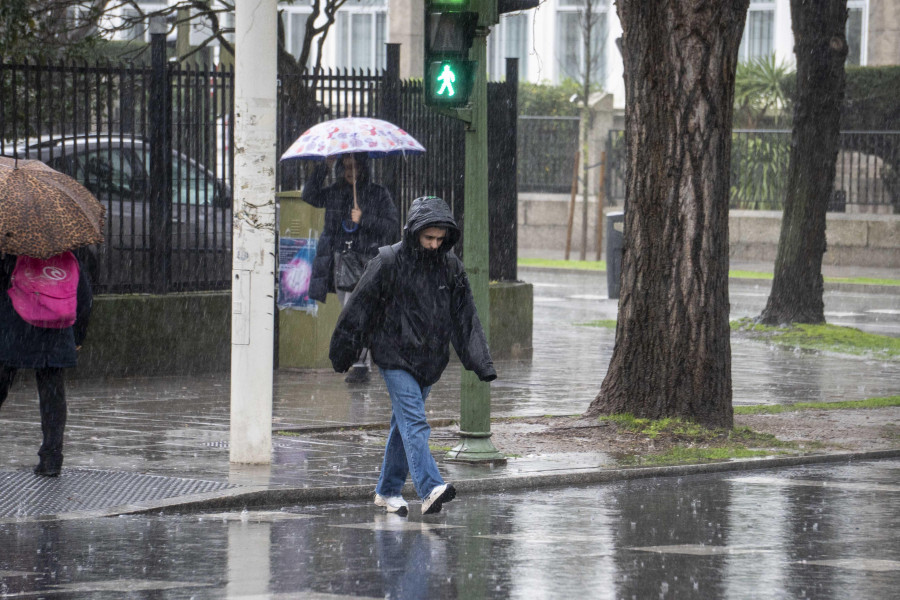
{"x": 407, "y": 450}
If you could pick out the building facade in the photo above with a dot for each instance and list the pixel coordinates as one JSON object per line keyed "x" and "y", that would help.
{"x": 549, "y": 40}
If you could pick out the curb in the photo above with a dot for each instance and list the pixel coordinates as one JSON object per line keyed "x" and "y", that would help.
{"x": 829, "y": 286}
{"x": 240, "y": 499}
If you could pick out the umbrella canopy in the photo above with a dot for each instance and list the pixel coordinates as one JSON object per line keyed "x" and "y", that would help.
{"x": 44, "y": 212}
{"x": 352, "y": 134}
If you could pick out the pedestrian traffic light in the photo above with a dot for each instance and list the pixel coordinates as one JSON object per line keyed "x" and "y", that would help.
{"x": 449, "y": 31}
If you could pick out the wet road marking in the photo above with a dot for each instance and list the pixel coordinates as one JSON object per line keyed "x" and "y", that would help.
{"x": 542, "y": 539}
{"x": 884, "y": 311}
{"x": 838, "y": 485}
{"x": 548, "y": 299}
{"x": 306, "y": 595}
{"x": 4, "y": 574}
{"x": 701, "y": 550}
{"x": 397, "y": 523}
{"x": 856, "y": 564}
{"x": 589, "y": 297}
{"x": 254, "y": 516}
{"x": 111, "y": 585}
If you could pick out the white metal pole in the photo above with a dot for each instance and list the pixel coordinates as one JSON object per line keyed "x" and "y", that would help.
{"x": 253, "y": 263}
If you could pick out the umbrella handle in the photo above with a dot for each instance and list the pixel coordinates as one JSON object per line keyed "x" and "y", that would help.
{"x": 355, "y": 203}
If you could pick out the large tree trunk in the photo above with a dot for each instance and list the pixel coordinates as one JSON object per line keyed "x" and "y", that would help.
{"x": 672, "y": 355}
{"x": 821, "y": 47}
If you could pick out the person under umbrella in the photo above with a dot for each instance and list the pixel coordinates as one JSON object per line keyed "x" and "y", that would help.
{"x": 43, "y": 215}
{"x": 360, "y": 216}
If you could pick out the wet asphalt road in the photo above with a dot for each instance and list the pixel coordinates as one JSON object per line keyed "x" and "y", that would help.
{"x": 806, "y": 532}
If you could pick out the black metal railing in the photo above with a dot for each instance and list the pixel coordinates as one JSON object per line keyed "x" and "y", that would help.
{"x": 155, "y": 144}
{"x": 867, "y": 173}
{"x": 151, "y": 142}
{"x": 546, "y": 153}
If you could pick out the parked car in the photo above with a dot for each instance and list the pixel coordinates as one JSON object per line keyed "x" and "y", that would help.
{"x": 116, "y": 169}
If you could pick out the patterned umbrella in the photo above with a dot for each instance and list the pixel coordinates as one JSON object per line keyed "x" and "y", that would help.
{"x": 352, "y": 134}
{"x": 44, "y": 212}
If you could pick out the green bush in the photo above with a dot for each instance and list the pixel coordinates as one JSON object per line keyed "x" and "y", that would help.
{"x": 545, "y": 100}
{"x": 870, "y": 98}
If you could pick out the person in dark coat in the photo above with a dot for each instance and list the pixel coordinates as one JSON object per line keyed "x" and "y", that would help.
{"x": 48, "y": 352}
{"x": 372, "y": 223}
{"x": 408, "y": 310}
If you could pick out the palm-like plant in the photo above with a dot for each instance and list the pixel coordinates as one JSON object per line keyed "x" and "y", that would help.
{"x": 760, "y": 92}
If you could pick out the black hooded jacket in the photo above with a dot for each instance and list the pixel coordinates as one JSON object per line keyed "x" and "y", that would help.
{"x": 407, "y": 313}
{"x": 379, "y": 225}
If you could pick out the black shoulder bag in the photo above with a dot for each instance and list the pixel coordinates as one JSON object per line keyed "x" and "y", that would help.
{"x": 348, "y": 267}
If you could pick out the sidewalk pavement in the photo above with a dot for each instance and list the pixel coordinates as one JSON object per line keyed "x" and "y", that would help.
{"x": 148, "y": 444}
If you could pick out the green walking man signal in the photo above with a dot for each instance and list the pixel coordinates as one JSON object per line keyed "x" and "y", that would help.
{"x": 449, "y": 82}
{"x": 446, "y": 78}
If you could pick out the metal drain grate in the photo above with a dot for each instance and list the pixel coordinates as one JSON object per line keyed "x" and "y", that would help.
{"x": 23, "y": 494}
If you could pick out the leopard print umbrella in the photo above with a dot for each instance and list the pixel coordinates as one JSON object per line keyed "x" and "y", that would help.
{"x": 44, "y": 212}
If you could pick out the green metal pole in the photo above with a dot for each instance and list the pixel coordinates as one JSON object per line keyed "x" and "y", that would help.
{"x": 475, "y": 403}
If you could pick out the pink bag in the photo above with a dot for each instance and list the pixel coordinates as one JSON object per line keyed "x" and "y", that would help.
{"x": 45, "y": 292}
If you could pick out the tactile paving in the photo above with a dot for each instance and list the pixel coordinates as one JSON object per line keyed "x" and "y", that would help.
{"x": 24, "y": 494}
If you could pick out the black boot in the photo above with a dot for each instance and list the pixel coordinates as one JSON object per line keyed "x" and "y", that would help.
{"x": 52, "y": 394}
{"x": 49, "y": 467}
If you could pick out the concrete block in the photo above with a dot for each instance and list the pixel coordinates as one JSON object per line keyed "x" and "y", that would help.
{"x": 846, "y": 230}
{"x": 546, "y": 212}
{"x": 145, "y": 334}
{"x": 512, "y": 319}
{"x": 884, "y": 233}
{"x": 757, "y": 227}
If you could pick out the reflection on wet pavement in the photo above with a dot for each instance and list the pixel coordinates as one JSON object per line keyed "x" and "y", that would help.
{"x": 129, "y": 423}
{"x": 705, "y": 536}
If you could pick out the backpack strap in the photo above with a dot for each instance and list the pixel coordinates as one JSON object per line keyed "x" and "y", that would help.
{"x": 388, "y": 254}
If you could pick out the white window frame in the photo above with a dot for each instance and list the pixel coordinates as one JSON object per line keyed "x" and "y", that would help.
{"x": 293, "y": 35}
{"x": 863, "y": 7}
{"x": 576, "y": 6}
{"x": 759, "y": 6}
{"x": 498, "y": 46}
{"x": 343, "y": 44}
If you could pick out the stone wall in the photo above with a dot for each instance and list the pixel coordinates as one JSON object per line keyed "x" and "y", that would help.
{"x": 865, "y": 240}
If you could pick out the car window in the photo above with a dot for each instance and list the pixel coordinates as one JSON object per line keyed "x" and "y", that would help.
{"x": 190, "y": 183}
{"x": 106, "y": 171}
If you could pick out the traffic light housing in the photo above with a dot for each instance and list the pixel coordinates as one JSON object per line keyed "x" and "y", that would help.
{"x": 449, "y": 30}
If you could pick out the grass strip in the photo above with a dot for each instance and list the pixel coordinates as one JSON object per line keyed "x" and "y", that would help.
{"x": 830, "y": 338}
{"x": 772, "y": 409}
{"x": 581, "y": 265}
{"x": 600, "y": 265}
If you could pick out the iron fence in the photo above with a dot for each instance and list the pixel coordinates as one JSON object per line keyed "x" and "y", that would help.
{"x": 155, "y": 144}
{"x": 546, "y": 153}
{"x": 867, "y": 170}
{"x": 151, "y": 142}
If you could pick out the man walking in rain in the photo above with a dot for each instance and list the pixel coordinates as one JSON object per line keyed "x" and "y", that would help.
{"x": 413, "y": 300}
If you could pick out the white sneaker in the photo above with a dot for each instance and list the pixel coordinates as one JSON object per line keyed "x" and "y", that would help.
{"x": 442, "y": 493}
{"x": 393, "y": 504}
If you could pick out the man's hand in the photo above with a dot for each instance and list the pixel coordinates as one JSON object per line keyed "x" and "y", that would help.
{"x": 355, "y": 215}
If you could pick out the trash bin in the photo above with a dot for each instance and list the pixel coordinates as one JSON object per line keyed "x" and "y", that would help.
{"x": 615, "y": 240}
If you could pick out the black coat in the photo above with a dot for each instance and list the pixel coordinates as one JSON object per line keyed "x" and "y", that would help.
{"x": 25, "y": 346}
{"x": 407, "y": 313}
{"x": 380, "y": 224}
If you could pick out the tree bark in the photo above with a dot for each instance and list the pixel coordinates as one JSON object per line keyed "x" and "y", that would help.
{"x": 821, "y": 48}
{"x": 672, "y": 355}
